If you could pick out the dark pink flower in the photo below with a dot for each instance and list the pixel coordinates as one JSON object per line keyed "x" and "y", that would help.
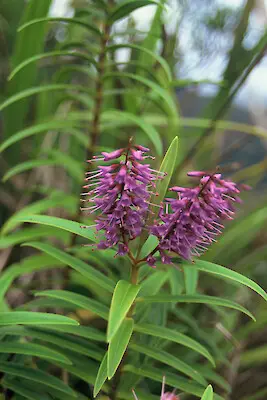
{"x": 119, "y": 193}
{"x": 193, "y": 220}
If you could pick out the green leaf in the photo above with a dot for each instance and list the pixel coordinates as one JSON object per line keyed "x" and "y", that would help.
{"x": 125, "y": 8}
{"x": 56, "y": 199}
{"x": 191, "y": 279}
{"x": 216, "y": 269}
{"x": 34, "y": 318}
{"x": 25, "y": 166}
{"x": 200, "y": 299}
{"x": 254, "y": 357}
{"x": 22, "y": 389}
{"x": 169, "y": 359}
{"x": 86, "y": 332}
{"x": 149, "y": 54}
{"x": 35, "y": 375}
{"x": 166, "y": 99}
{"x": 101, "y": 375}
{"x": 32, "y": 349}
{"x": 64, "y": 341}
{"x": 61, "y": 223}
{"x": 78, "y": 265}
{"x": 41, "y": 56}
{"x": 208, "y": 394}
{"x": 151, "y": 40}
{"x": 39, "y": 89}
{"x": 60, "y": 19}
{"x": 171, "y": 379}
{"x": 28, "y": 234}
{"x": 173, "y": 336}
{"x": 26, "y": 45}
{"x": 118, "y": 346}
{"x": 167, "y": 166}
{"x": 28, "y": 265}
{"x": 44, "y": 127}
{"x": 122, "y": 300}
{"x": 151, "y": 132}
{"x": 78, "y": 300}
{"x": 72, "y": 166}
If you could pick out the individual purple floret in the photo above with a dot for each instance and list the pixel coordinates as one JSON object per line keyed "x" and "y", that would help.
{"x": 120, "y": 192}
{"x": 190, "y": 223}
{"x": 164, "y": 396}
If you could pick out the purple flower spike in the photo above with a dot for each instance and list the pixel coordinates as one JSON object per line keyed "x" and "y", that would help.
{"x": 120, "y": 193}
{"x": 196, "y": 217}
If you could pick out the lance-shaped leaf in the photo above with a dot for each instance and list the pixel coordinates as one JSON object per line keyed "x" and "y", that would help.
{"x": 229, "y": 274}
{"x": 208, "y": 394}
{"x": 124, "y": 9}
{"x": 101, "y": 375}
{"x": 34, "y": 318}
{"x": 173, "y": 336}
{"x": 201, "y": 299}
{"x": 78, "y": 265}
{"x": 167, "y": 166}
{"x": 118, "y": 345}
{"x": 35, "y": 375}
{"x": 122, "y": 300}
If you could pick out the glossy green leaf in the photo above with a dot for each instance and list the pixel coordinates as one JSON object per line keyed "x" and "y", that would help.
{"x": 125, "y": 8}
{"x": 61, "y": 223}
{"x": 32, "y": 349}
{"x": 200, "y": 299}
{"x": 35, "y": 375}
{"x": 227, "y": 273}
{"x": 170, "y": 360}
{"x": 208, "y": 394}
{"x": 122, "y": 300}
{"x": 118, "y": 346}
{"x": 102, "y": 375}
{"x": 41, "y": 56}
{"x": 78, "y": 300}
{"x": 78, "y": 265}
{"x": 173, "y": 336}
{"x": 34, "y": 318}
{"x": 77, "y": 21}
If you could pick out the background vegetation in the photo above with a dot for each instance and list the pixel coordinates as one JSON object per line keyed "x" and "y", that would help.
{"x": 66, "y": 95}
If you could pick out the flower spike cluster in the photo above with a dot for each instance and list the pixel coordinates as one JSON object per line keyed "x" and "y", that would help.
{"x": 196, "y": 217}
{"x": 120, "y": 192}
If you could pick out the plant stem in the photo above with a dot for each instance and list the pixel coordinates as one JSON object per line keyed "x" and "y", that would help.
{"x": 98, "y": 102}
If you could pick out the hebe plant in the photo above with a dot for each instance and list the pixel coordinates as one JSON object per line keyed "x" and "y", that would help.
{"x": 114, "y": 325}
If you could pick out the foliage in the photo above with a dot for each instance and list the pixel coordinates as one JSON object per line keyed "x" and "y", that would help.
{"x": 82, "y": 324}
